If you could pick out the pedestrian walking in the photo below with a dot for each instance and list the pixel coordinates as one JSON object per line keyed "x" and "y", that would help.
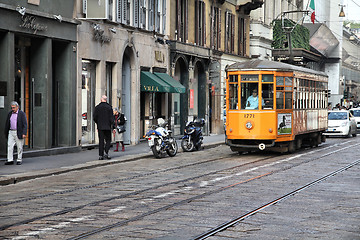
{"x": 15, "y": 131}
{"x": 120, "y": 121}
{"x": 104, "y": 119}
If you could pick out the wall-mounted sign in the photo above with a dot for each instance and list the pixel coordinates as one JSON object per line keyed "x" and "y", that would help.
{"x": 28, "y": 22}
{"x": 34, "y": 2}
{"x": 100, "y": 37}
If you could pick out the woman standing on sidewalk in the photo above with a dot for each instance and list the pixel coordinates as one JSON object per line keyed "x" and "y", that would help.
{"x": 120, "y": 121}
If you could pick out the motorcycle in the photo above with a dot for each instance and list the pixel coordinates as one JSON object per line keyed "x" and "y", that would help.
{"x": 160, "y": 140}
{"x": 193, "y": 136}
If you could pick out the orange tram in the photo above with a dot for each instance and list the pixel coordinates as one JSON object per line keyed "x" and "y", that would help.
{"x": 276, "y": 106}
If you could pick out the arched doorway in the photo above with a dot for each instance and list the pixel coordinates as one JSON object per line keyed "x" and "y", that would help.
{"x": 180, "y": 102}
{"x": 125, "y": 100}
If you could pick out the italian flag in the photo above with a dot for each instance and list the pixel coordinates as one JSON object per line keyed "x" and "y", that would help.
{"x": 312, "y": 6}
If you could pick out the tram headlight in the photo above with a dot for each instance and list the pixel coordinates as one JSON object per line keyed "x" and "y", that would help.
{"x": 249, "y": 125}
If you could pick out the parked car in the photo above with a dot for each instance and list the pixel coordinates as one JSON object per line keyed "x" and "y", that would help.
{"x": 341, "y": 123}
{"x": 356, "y": 113}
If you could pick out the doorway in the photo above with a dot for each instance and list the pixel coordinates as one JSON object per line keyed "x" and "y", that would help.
{"x": 88, "y": 77}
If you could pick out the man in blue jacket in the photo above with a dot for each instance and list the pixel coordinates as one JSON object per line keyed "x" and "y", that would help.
{"x": 104, "y": 119}
{"x": 15, "y": 131}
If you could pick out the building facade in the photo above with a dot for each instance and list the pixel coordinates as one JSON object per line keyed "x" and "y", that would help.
{"x": 38, "y": 70}
{"x": 120, "y": 47}
{"x": 205, "y": 37}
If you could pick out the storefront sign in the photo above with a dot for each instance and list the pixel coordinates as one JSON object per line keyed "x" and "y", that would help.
{"x": 151, "y": 88}
{"x": 28, "y": 22}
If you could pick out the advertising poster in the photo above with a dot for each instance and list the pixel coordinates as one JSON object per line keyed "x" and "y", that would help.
{"x": 191, "y": 98}
{"x": 284, "y": 123}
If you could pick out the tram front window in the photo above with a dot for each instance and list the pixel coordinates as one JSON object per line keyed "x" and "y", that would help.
{"x": 249, "y": 96}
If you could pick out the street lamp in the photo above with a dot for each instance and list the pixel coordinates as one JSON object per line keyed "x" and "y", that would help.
{"x": 342, "y": 13}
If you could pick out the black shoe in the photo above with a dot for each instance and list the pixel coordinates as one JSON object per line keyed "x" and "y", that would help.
{"x": 101, "y": 158}
{"x": 18, "y": 163}
{"x": 107, "y": 156}
{"x": 9, "y": 163}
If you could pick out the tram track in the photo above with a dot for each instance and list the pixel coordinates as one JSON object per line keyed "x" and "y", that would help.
{"x": 218, "y": 190}
{"x": 232, "y": 222}
{"x": 138, "y": 217}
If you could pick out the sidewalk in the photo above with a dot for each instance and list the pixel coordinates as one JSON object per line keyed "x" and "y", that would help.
{"x": 41, "y": 166}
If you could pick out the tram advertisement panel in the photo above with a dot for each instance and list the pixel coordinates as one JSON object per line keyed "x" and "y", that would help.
{"x": 284, "y": 123}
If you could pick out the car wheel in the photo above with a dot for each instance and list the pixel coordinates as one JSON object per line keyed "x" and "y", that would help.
{"x": 349, "y": 133}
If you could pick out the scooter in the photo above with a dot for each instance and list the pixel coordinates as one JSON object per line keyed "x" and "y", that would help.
{"x": 160, "y": 140}
{"x": 193, "y": 136}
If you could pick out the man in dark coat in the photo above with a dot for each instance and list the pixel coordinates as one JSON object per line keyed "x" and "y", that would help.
{"x": 104, "y": 119}
{"x": 15, "y": 132}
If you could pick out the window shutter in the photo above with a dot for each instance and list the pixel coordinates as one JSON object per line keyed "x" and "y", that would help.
{"x": 84, "y": 3}
{"x": 157, "y": 11}
{"x": 203, "y": 9}
{"x": 219, "y": 29}
{"x": 232, "y": 33}
{"x": 118, "y": 10}
{"x": 197, "y": 22}
{"x": 178, "y": 27}
{"x": 136, "y": 13}
{"x": 142, "y": 14}
{"x": 186, "y": 12}
{"x": 226, "y": 46}
{"x": 151, "y": 15}
{"x": 163, "y": 16}
{"x": 124, "y": 12}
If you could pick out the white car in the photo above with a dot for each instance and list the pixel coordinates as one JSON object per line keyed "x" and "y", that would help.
{"x": 356, "y": 113}
{"x": 341, "y": 123}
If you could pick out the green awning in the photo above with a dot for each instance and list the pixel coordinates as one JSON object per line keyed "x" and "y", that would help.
{"x": 176, "y": 86}
{"x": 151, "y": 83}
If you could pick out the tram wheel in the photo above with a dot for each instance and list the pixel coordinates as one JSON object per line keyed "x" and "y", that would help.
{"x": 291, "y": 147}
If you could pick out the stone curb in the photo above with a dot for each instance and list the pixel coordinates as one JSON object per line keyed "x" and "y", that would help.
{"x": 20, "y": 177}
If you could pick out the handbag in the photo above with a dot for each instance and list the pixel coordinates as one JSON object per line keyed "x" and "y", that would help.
{"x": 121, "y": 128}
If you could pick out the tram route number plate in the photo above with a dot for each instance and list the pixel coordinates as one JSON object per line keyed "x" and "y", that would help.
{"x": 249, "y": 115}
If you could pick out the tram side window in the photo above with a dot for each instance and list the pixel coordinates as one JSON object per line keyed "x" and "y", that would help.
{"x": 279, "y": 100}
{"x": 268, "y": 96}
{"x": 288, "y": 100}
{"x": 233, "y": 96}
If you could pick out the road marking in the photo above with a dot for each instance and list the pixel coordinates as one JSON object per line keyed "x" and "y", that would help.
{"x": 114, "y": 210}
{"x": 52, "y": 228}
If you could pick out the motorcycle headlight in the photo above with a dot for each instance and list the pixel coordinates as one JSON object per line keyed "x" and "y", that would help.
{"x": 189, "y": 130}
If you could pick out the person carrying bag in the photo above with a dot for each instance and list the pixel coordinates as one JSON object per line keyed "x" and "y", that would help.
{"x": 119, "y": 120}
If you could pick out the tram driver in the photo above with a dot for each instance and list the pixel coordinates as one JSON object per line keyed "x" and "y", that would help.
{"x": 253, "y": 101}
